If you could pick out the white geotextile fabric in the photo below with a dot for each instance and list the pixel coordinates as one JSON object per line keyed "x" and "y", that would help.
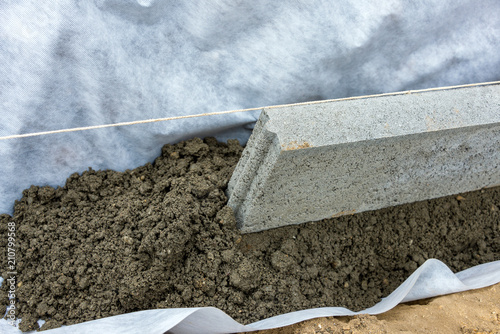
{"x": 431, "y": 279}
{"x": 69, "y": 63}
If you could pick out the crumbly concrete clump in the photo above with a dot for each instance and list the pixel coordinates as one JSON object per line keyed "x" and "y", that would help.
{"x": 161, "y": 235}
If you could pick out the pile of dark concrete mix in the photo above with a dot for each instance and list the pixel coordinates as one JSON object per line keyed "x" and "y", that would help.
{"x": 161, "y": 236}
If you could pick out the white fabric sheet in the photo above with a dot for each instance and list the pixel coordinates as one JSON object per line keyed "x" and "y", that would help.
{"x": 69, "y": 63}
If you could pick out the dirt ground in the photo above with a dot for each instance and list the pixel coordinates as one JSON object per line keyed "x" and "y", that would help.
{"x": 161, "y": 236}
{"x": 470, "y": 312}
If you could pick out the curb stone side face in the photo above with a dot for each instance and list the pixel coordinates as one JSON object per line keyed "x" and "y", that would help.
{"x": 314, "y": 161}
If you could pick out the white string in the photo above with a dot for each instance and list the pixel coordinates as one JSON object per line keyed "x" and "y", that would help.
{"x": 238, "y": 110}
{"x": 92, "y": 127}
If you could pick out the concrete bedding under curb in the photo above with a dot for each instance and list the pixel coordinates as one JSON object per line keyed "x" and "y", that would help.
{"x": 318, "y": 160}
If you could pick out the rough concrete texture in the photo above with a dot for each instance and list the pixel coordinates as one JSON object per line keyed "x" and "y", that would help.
{"x": 311, "y": 161}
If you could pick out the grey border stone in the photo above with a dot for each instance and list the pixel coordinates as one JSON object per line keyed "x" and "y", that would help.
{"x": 312, "y": 161}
